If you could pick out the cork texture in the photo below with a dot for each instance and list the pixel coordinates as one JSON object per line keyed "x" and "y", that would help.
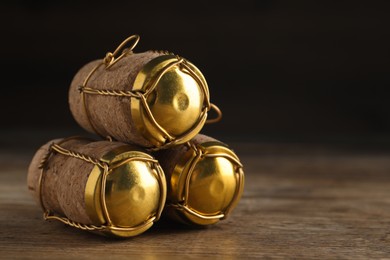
{"x": 65, "y": 178}
{"x": 110, "y": 116}
{"x": 201, "y": 138}
{"x": 34, "y": 172}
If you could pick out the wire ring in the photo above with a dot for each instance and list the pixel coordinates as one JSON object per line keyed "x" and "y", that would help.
{"x": 219, "y": 114}
{"x": 110, "y": 59}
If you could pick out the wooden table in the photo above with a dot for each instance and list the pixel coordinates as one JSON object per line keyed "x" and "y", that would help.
{"x": 300, "y": 201}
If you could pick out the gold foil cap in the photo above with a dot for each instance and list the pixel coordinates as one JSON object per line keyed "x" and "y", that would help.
{"x": 128, "y": 196}
{"x": 206, "y": 185}
{"x": 174, "y": 102}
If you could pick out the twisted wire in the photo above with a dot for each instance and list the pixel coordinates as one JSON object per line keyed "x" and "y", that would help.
{"x": 78, "y": 155}
{"x": 109, "y": 92}
{"x": 72, "y": 223}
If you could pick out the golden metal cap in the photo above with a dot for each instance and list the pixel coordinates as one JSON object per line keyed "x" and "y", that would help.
{"x": 206, "y": 185}
{"x": 174, "y": 102}
{"x": 134, "y": 192}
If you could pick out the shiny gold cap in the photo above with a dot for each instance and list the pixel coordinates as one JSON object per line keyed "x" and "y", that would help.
{"x": 134, "y": 192}
{"x": 206, "y": 185}
{"x": 175, "y": 100}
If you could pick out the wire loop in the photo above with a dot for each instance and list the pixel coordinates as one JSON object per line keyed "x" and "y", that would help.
{"x": 219, "y": 114}
{"x": 110, "y": 59}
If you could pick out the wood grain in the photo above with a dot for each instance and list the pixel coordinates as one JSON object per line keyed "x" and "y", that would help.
{"x": 299, "y": 202}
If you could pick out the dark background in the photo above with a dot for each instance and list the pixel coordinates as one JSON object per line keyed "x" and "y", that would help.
{"x": 279, "y": 70}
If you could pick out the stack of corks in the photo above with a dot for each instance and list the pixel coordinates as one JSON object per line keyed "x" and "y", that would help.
{"x": 148, "y": 108}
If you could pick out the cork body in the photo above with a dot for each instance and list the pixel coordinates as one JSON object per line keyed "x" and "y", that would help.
{"x": 64, "y": 180}
{"x": 110, "y": 115}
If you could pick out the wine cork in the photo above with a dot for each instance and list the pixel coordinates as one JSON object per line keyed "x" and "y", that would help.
{"x": 70, "y": 187}
{"x": 205, "y": 180}
{"x": 175, "y": 92}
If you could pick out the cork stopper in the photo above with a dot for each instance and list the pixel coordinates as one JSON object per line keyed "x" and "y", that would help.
{"x": 128, "y": 203}
{"x": 205, "y": 180}
{"x": 167, "y": 101}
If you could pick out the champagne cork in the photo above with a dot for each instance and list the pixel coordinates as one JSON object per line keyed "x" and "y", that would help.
{"x": 110, "y": 187}
{"x": 205, "y": 180}
{"x": 153, "y": 99}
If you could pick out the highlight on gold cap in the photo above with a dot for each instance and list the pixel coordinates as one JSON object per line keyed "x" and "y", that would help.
{"x": 205, "y": 184}
{"x": 124, "y": 192}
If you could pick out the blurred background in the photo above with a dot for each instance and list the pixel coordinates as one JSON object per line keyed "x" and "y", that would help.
{"x": 284, "y": 71}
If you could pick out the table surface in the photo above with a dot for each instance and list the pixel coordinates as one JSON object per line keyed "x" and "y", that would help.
{"x": 300, "y": 201}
